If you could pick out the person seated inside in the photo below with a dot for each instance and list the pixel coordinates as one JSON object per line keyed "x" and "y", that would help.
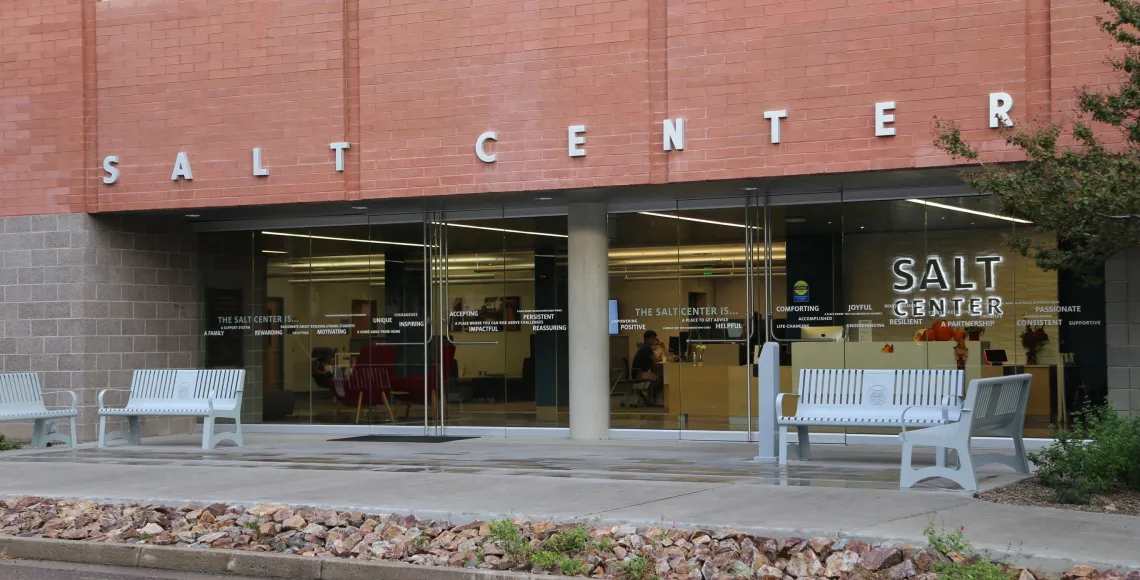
{"x": 645, "y": 361}
{"x": 324, "y": 360}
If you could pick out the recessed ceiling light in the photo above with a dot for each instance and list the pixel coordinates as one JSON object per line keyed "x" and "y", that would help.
{"x": 862, "y": 227}
{"x": 504, "y": 230}
{"x": 749, "y": 188}
{"x": 193, "y": 215}
{"x": 692, "y": 219}
{"x": 273, "y": 252}
{"x": 543, "y": 198}
{"x": 359, "y": 207}
{"x": 969, "y": 211}
{"x": 335, "y": 239}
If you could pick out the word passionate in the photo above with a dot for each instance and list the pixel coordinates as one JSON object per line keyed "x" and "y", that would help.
{"x": 673, "y": 138}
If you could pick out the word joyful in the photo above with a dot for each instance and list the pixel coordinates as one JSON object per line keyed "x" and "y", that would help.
{"x": 936, "y": 277}
{"x": 673, "y": 138}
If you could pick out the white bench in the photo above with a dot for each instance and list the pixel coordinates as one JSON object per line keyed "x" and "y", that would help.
{"x": 22, "y": 400}
{"x": 993, "y": 407}
{"x": 210, "y": 394}
{"x": 869, "y": 398}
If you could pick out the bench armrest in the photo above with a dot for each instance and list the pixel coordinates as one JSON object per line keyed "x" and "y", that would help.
{"x": 902, "y": 418}
{"x": 780, "y": 402}
{"x": 105, "y": 391}
{"x": 74, "y": 398}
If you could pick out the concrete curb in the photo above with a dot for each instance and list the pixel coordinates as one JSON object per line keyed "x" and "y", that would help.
{"x": 234, "y": 562}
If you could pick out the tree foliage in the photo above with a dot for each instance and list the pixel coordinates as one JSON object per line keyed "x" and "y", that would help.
{"x": 1079, "y": 184}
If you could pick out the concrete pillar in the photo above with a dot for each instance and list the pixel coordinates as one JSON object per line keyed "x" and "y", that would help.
{"x": 588, "y": 291}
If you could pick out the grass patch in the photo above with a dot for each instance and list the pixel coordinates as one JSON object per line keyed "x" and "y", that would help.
{"x": 507, "y": 535}
{"x": 637, "y": 568}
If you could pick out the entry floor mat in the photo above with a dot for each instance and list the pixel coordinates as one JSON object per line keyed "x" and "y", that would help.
{"x": 401, "y": 439}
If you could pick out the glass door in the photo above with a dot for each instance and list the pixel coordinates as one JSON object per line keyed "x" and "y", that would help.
{"x": 501, "y": 319}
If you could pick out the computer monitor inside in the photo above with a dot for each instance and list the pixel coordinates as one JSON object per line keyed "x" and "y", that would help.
{"x": 826, "y": 332}
{"x": 995, "y": 356}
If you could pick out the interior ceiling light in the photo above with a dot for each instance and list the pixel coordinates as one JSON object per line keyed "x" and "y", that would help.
{"x": 543, "y": 198}
{"x": 273, "y": 252}
{"x": 698, "y": 220}
{"x": 193, "y": 215}
{"x": 471, "y": 227}
{"x": 359, "y": 207}
{"x": 969, "y": 211}
{"x": 312, "y": 237}
{"x": 748, "y": 189}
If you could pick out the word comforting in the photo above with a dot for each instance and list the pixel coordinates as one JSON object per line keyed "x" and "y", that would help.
{"x": 672, "y": 139}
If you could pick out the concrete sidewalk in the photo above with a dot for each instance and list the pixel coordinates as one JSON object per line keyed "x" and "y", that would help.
{"x": 850, "y": 491}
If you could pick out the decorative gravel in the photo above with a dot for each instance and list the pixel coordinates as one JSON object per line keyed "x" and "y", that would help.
{"x": 1030, "y": 492}
{"x": 626, "y": 552}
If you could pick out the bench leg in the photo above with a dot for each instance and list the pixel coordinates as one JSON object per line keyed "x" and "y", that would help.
{"x": 102, "y": 431}
{"x": 964, "y": 475}
{"x": 804, "y": 443}
{"x": 134, "y": 433}
{"x": 210, "y": 438}
{"x": 74, "y": 434}
{"x": 39, "y": 429}
{"x": 208, "y": 433}
{"x": 783, "y": 444}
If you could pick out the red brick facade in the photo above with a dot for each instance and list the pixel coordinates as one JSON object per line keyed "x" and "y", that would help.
{"x": 411, "y": 84}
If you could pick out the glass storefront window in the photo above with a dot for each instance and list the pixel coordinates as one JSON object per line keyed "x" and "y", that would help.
{"x": 463, "y": 322}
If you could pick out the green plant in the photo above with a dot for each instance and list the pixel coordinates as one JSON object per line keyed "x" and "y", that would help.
{"x": 146, "y": 536}
{"x": 571, "y": 541}
{"x": 947, "y": 543}
{"x": 507, "y": 535}
{"x": 637, "y": 568}
{"x": 548, "y": 560}
{"x": 1095, "y": 454}
{"x": 972, "y": 567}
{"x": 420, "y": 542}
{"x": 982, "y": 569}
{"x": 6, "y": 445}
{"x": 603, "y": 544}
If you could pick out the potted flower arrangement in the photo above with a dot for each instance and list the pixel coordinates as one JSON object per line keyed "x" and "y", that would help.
{"x": 1032, "y": 339}
{"x": 974, "y": 332}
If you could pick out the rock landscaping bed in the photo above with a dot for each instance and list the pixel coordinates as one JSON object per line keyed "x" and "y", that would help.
{"x": 626, "y": 552}
{"x": 1032, "y": 492}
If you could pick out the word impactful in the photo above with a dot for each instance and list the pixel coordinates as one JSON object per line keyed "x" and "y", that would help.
{"x": 672, "y": 139}
{"x": 936, "y": 276}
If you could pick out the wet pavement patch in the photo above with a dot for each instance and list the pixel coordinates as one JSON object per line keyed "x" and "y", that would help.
{"x": 401, "y": 439}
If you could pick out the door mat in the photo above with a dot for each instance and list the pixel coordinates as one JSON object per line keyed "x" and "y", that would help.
{"x": 401, "y": 439}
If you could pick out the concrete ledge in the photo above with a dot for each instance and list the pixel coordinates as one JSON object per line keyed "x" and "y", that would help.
{"x": 350, "y": 570}
{"x": 229, "y": 562}
{"x": 258, "y": 564}
{"x": 126, "y": 555}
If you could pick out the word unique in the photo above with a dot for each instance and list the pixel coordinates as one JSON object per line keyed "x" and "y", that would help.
{"x": 673, "y": 139}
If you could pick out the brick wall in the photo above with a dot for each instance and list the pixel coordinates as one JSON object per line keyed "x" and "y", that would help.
{"x": 412, "y": 84}
{"x": 85, "y": 300}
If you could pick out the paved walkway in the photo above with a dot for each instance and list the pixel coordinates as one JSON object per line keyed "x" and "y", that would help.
{"x": 847, "y": 490}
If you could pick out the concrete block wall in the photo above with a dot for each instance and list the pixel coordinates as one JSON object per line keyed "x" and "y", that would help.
{"x": 1122, "y": 297}
{"x": 85, "y": 300}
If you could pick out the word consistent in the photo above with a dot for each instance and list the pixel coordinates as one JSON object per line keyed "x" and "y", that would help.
{"x": 673, "y": 138}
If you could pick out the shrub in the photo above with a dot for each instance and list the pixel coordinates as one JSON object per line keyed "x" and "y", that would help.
{"x": 1098, "y": 453}
{"x": 6, "y": 445}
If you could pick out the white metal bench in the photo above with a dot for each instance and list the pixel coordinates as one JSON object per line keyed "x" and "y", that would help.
{"x": 993, "y": 407}
{"x": 22, "y": 400}
{"x": 210, "y": 394}
{"x": 869, "y": 398}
